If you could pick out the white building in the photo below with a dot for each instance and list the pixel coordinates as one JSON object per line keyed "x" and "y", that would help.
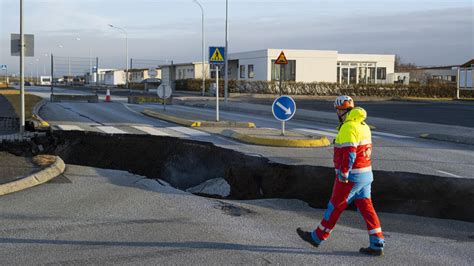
{"x": 312, "y": 66}
{"x": 114, "y": 77}
{"x": 138, "y": 75}
{"x": 170, "y": 73}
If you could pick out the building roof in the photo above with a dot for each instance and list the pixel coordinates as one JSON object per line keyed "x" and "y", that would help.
{"x": 468, "y": 63}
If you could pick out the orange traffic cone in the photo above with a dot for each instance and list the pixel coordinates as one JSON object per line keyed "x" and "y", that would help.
{"x": 107, "y": 96}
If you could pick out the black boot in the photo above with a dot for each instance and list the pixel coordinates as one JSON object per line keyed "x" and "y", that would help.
{"x": 306, "y": 236}
{"x": 371, "y": 252}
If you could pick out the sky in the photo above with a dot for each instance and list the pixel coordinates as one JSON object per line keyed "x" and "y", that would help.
{"x": 424, "y": 32}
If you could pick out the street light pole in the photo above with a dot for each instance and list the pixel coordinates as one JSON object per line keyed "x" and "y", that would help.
{"x": 22, "y": 72}
{"x": 226, "y": 52}
{"x": 126, "y": 54}
{"x": 202, "y": 52}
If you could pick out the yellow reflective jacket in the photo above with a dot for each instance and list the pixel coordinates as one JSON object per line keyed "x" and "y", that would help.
{"x": 353, "y": 147}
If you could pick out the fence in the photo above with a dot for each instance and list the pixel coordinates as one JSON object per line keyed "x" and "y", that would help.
{"x": 73, "y": 71}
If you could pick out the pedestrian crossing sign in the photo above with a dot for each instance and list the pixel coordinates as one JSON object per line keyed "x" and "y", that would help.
{"x": 281, "y": 60}
{"x": 216, "y": 55}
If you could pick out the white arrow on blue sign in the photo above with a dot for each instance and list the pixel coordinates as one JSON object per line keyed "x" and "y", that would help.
{"x": 284, "y": 108}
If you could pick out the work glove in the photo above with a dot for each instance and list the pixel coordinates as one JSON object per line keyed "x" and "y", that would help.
{"x": 341, "y": 178}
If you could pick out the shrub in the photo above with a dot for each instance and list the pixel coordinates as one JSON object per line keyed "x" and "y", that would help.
{"x": 330, "y": 89}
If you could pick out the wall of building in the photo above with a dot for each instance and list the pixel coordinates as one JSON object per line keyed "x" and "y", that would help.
{"x": 198, "y": 70}
{"x": 185, "y": 71}
{"x": 385, "y": 61}
{"x": 311, "y": 65}
{"x": 116, "y": 77}
{"x": 257, "y": 58}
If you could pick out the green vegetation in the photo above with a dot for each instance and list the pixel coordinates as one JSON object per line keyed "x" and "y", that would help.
{"x": 331, "y": 89}
{"x": 13, "y": 96}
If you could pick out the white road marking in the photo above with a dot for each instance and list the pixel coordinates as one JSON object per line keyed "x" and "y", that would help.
{"x": 189, "y": 131}
{"x": 70, "y": 127}
{"x": 391, "y": 135}
{"x": 314, "y": 131}
{"x": 151, "y": 130}
{"x": 111, "y": 130}
{"x": 447, "y": 173}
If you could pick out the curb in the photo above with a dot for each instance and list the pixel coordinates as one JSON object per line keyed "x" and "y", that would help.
{"x": 39, "y": 178}
{"x": 193, "y": 123}
{"x": 299, "y": 143}
{"x": 449, "y": 138}
{"x": 36, "y": 116}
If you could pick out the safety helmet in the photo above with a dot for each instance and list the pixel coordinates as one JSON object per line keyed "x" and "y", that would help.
{"x": 343, "y": 102}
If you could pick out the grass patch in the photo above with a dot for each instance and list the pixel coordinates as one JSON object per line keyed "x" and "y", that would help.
{"x": 44, "y": 160}
{"x": 13, "y": 96}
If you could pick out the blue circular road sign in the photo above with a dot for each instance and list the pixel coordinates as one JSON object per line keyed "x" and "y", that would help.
{"x": 284, "y": 108}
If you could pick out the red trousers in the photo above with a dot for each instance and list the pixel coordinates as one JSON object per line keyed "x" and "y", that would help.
{"x": 342, "y": 195}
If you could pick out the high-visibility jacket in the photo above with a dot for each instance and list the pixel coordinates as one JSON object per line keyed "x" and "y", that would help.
{"x": 353, "y": 148}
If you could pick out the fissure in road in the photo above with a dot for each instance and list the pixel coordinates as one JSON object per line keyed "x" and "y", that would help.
{"x": 186, "y": 163}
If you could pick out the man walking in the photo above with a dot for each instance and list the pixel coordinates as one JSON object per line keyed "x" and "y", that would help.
{"x": 352, "y": 152}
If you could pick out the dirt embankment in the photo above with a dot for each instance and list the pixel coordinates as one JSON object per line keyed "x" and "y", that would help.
{"x": 186, "y": 163}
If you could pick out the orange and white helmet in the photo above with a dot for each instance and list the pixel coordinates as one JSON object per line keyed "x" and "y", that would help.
{"x": 343, "y": 102}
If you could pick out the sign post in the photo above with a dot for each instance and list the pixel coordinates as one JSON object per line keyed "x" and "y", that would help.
{"x": 281, "y": 60}
{"x": 216, "y": 57}
{"x": 4, "y": 68}
{"x": 283, "y": 109}
{"x": 22, "y": 45}
{"x": 164, "y": 93}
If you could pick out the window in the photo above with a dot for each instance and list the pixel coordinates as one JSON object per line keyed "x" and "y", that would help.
{"x": 382, "y": 73}
{"x": 242, "y": 71}
{"x": 289, "y": 71}
{"x": 251, "y": 74}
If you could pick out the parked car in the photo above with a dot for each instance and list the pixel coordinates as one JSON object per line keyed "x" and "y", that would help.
{"x": 27, "y": 83}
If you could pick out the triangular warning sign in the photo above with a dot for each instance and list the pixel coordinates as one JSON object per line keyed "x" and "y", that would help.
{"x": 217, "y": 56}
{"x": 281, "y": 60}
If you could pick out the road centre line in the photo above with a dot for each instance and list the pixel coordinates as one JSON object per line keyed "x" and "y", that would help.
{"x": 111, "y": 130}
{"x": 151, "y": 130}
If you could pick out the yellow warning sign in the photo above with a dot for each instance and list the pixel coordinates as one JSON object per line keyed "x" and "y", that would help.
{"x": 217, "y": 56}
{"x": 281, "y": 60}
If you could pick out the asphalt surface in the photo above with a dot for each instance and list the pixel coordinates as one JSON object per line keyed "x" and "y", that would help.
{"x": 98, "y": 216}
{"x": 391, "y": 152}
{"x": 457, "y": 113}
{"x": 442, "y": 112}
